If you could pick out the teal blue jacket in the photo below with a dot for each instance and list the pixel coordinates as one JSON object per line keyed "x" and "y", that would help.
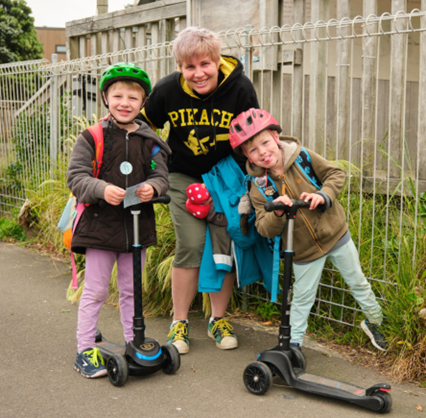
{"x": 251, "y": 255}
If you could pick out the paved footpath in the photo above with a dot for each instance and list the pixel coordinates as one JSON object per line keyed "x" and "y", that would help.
{"x": 37, "y": 346}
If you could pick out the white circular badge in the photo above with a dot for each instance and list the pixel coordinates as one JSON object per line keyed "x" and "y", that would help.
{"x": 126, "y": 167}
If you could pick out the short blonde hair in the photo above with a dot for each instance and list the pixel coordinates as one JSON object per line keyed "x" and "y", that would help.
{"x": 194, "y": 42}
{"x": 128, "y": 83}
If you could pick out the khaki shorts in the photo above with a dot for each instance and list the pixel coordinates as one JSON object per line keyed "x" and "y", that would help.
{"x": 190, "y": 231}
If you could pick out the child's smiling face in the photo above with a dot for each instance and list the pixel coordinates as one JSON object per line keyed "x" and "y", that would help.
{"x": 263, "y": 151}
{"x": 124, "y": 101}
{"x": 201, "y": 73}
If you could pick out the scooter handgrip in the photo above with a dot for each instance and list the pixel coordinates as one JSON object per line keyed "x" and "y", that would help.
{"x": 297, "y": 204}
{"x": 162, "y": 199}
{"x": 271, "y": 206}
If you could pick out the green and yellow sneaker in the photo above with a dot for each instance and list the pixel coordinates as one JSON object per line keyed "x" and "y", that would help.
{"x": 90, "y": 363}
{"x": 178, "y": 336}
{"x": 221, "y": 331}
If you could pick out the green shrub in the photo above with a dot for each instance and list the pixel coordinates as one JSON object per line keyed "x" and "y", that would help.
{"x": 9, "y": 229}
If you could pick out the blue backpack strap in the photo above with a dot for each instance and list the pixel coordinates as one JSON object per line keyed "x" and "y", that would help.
{"x": 273, "y": 243}
{"x": 305, "y": 164}
{"x": 155, "y": 149}
{"x": 275, "y": 268}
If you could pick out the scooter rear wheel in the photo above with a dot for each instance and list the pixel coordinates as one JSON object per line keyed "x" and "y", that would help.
{"x": 257, "y": 378}
{"x": 172, "y": 361}
{"x": 118, "y": 370}
{"x": 98, "y": 337}
{"x": 387, "y": 401}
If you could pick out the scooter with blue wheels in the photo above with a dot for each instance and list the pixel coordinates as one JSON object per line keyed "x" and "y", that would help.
{"x": 143, "y": 355}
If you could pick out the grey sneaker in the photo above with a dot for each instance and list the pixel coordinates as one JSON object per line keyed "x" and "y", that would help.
{"x": 375, "y": 335}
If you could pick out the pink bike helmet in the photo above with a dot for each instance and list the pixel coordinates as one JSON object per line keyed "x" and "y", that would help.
{"x": 248, "y": 124}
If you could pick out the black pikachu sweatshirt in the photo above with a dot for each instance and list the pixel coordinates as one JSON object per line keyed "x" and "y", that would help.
{"x": 199, "y": 126}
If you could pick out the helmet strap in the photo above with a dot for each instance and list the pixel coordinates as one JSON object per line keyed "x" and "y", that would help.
{"x": 245, "y": 152}
{"x": 275, "y": 138}
{"x": 121, "y": 123}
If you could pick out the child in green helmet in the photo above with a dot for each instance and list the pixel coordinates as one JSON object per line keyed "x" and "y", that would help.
{"x": 132, "y": 155}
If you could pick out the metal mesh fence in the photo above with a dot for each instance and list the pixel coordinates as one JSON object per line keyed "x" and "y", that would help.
{"x": 351, "y": 90}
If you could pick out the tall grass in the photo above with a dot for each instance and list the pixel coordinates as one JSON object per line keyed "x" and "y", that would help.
{"x": 391, "y": 234}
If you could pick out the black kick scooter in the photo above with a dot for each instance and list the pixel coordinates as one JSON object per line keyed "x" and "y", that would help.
{"x": 143, "y": 355}
{"x": 289, "y": 363}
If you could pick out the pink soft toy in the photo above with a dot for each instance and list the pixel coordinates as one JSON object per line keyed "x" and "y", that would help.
{"x": 197, "y": 193}
{"x": 197, "y": 197}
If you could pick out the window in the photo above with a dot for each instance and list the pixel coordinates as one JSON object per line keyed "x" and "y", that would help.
{"x": 61, "y": 49}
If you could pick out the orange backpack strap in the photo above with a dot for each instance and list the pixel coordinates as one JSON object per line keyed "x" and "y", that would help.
{"x": 98, "y": 136}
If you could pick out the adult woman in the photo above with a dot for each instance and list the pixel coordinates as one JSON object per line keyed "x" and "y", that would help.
{"x": 199, "y": 101}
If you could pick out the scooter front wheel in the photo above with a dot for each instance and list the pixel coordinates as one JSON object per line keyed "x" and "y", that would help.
{"x": 172, "y": 359}
{"x": 298, "y": 359}
{"x": 118, "y": 370}
{"x": 257, "y": 378}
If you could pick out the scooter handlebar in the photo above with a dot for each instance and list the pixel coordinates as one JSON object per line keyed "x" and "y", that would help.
{"x": 161, "y": 199}
{"x": 297, "y": 204}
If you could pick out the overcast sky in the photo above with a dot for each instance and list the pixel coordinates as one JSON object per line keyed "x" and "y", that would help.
{"x": 55, "y": 13}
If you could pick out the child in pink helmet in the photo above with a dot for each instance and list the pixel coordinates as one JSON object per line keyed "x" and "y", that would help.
{"x": 281, "y": 170}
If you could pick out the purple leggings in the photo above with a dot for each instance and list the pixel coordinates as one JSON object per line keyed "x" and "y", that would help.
{"x": 99, "y": 266}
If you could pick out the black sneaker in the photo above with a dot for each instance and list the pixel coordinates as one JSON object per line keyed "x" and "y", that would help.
{"x": 375, "y": 335}
{"x": 296, "y": 345}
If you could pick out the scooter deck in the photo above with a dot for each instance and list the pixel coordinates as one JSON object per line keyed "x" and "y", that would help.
{"x": 319, "y": 385}
{"x": 108, "y": 348}
{"x": 331, "y": 383}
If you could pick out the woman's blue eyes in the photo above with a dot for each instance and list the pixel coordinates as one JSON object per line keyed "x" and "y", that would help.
{"x": 190, "y": 67}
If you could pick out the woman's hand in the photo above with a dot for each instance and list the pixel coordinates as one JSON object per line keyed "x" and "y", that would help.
{"x": 283, "y": 199}
{"x": 145, "y": 192}
{"x": 315, "y": 198}
{"x": 114, "y": 195}
{"x": 210, "y": 199}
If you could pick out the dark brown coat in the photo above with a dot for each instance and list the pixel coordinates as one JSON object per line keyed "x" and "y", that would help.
{"x": 104, "y": 226}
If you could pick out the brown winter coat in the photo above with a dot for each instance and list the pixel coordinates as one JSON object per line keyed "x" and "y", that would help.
{"x": 104, "y": 226}
{"x": 315, "y": 233}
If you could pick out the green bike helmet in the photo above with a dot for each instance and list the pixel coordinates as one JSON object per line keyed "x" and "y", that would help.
{"x": 123, "y": 71}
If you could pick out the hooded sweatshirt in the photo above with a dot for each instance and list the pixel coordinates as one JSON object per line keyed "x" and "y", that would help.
{"x": 104, "y": 226}
{"x": 315, "y": 233}
{"x": 199, "y": 126}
